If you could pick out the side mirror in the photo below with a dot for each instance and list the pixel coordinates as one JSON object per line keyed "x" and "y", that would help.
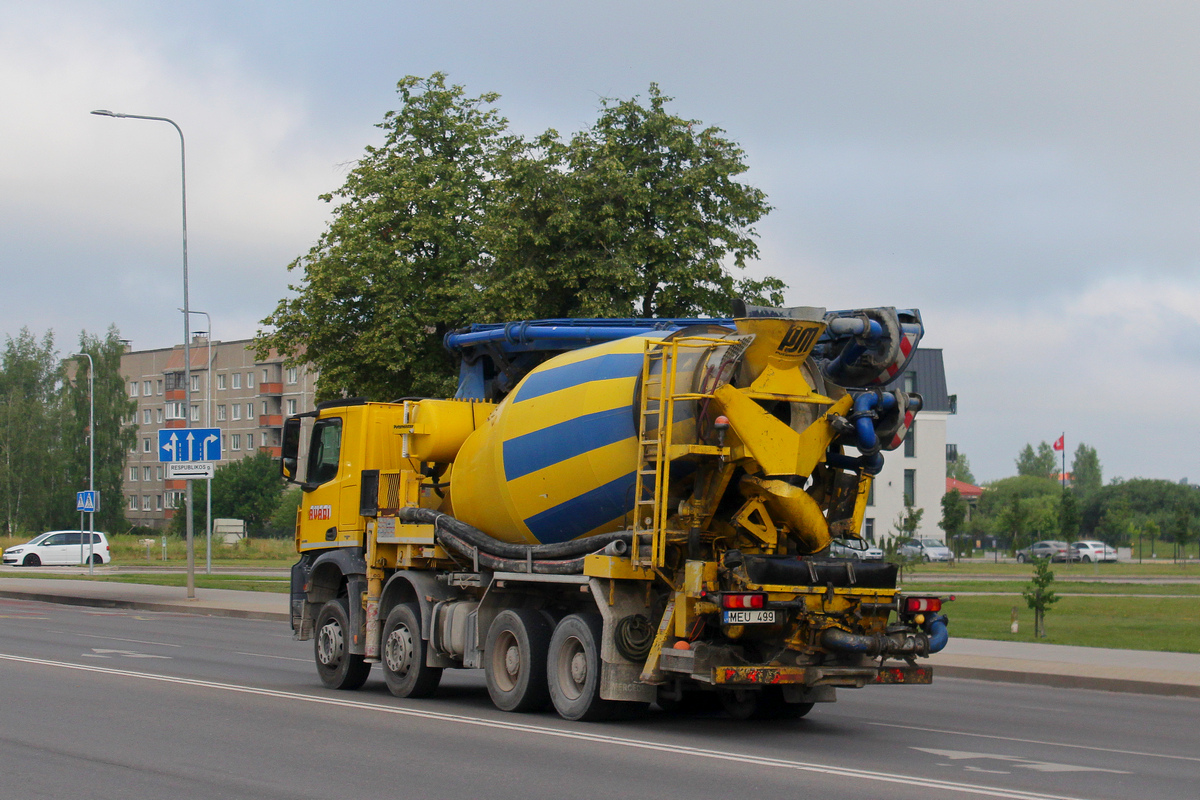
{"x": 289, "y": 461}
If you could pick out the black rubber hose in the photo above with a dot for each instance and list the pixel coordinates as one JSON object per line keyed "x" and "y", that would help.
{"x": 572, "y": 566}
{"x": 477, "y": 538}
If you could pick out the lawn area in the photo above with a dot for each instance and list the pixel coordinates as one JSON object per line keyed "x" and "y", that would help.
{"x": 128, "y": 551}
{"x": 1159, "y": 569}
{"x": 241, "y": 582}
{"x": 945, "y": 587}
{"x": 1126, "y": 622}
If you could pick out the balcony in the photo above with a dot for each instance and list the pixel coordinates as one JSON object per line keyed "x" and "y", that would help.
{"x": 175, "y": 394}
{"x": 270, "y": 420}
{"x": 270, "y": 388}
{"x": 174, "y": 423}
{"x": 274, "y": 452}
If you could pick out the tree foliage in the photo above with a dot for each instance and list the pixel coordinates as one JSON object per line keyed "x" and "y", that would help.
{"x": 1086, "y": 475}
{"x": 248, "y": 489}
{"x": 1039, "y": 596}
{"x": 455, "y": 220}
{"x": 1038, "y": 464}
{"x": 960, "y": 469}
{"x": 954, "y": 517}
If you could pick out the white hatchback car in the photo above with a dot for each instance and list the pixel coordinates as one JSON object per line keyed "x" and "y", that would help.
{"x": 1092, "y": 551}
{"x": 60, "y": 547}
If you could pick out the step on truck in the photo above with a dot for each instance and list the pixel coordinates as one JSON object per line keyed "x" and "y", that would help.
{"x": 614, "y": 513}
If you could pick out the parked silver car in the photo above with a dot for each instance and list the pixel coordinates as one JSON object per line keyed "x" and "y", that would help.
{"x": 925, "y": 549}
{"x": 855, "y": 548}
{"x": 1051, "y": 549}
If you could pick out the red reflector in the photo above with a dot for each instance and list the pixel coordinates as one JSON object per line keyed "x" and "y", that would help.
{"x": 743, "y": 600}
{"x": 915, "y": 605}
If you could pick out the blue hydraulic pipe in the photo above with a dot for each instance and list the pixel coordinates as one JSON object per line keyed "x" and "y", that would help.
{"x": 592, "y": 330}
{"x": 864, "y": 423}
{"x": 864, "y": 337}
{"x": 939, "y": 634}
{"x": 872, "y": 465}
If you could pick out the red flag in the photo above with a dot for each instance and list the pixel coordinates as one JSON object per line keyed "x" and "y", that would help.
{"x": 1061, "y": 443}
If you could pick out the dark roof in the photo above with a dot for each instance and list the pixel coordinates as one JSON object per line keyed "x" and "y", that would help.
{"x": 929, "y": 379}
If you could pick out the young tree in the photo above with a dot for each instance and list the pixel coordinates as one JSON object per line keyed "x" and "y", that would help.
{"x": 1086, "y": 474}
{"x": 1039, "y": 596}
{"x": 1041, "y": 464}
{"x": 954, "y": 516}
{"x": 116, "y": 431}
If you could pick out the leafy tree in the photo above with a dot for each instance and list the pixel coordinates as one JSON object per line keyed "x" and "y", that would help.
{"x": 1039, "y": 596}
{"x": 282, "y": 523}
{"x": 1068, "y": 517}
{"x": 1040, "y": 464}
{"x": 954, "y": 516}
{"x": 248, "y": 489}
{"x": 1086, "y": 475}
{"x": 960, "y": 469}
{"x": 454, "y": 220}
{"x": 116, "y": 431}
{"x": 907, "y": 523}
{"x": 1151, "y": 531}
{"x": 31, "y": 475}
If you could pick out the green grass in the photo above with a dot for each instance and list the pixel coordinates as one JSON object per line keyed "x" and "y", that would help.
{"x": 1159, "y": 569}
{"x": 1149, "y": 623}
{"x": 1060, "y": 587}
{"x": 238, "y": 582}
{"x": 249, "y": 553}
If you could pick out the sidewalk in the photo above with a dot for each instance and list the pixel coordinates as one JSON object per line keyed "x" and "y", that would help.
{"x": 1137, "y": 671}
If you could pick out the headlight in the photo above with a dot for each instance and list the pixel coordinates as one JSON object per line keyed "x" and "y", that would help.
{"x": 14, "y": 551}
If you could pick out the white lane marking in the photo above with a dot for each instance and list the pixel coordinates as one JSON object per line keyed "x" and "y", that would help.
{"x": 1036, "y": 741}
{"x": 1021, "y": 763}
{"x": 115, "y": 639}
{"x": 633, "y": 744}
{"x": 104, "y": 653}
{"x": 281, "y": 658}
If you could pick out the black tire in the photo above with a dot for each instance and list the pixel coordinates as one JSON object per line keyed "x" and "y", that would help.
{"x": 573, "y": 669}
{"x": 690, "y": 703}
{"x": 97, "y": 559}
{"x": 771, "y": 705}
{"x": 740, "y": 703}
{"x": 337, "y": 667}
{"x": 927, "y": 559}
{"x": 1020, "y": 558}
{"x": 1087, "y": 559}
{"x": 403, "y": 654}
{"x": 518, "y": 644}
{"x": 31, "y": 560}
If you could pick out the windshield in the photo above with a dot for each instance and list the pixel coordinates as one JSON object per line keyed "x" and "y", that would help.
{"x": 932, "y": 543}
{"x": 38, "y": 539}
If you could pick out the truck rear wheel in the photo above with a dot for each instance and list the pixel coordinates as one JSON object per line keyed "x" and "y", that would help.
{"x": 518, "y": 644}
{"x": 337, "y": 667}
{"x": 573, "y": 668}
{"x": 404, "y": 651}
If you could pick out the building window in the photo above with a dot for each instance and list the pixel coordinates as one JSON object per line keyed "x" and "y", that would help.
{"x": 264, "y": 377}
{"x": 146, "y": 388}
{"x": 195, "y": 413}
{"x": 159, "y": 415}
{"x": 871, "y": 494}
{"x": 133, "y": 502}
{"x": 133, "y": 473}
{"x": 910, "y": 382}
{"x": 910, "y": 442}
{"x": 869, "y": 529}
{"x": 220, "y": 382}
{"x": 237, "y": 380}
{"x": 264, "y": 408}
{"x": 291, "y": 408}
{"x": 175, "y": 410}
{"x": 249, "y": 410}
{"x": 159, "y": 473}
{"x": 159, "y": 387}
{"x": 195, "y": 383}
{"x": 146, "y": 503}
{"x": 134, "y": 448}
{"x": 146, "y": 445}
{"x": 158, "y": 502}
{"x": 291, "y": 375}
{"x": 249, "y": 380}
{"x": 910, "y": 487}
{"x": 146, "y": 473}
{"x": 249, "y": 441}
{"x": 235, "y": 442}
{"x": 146, "y": 416}
{"x": 133, "y": 388}
{"x": 220, "y": 413}
{"x": 237, "y": 410}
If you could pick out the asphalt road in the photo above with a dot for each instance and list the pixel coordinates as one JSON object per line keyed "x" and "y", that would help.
{"x": 132, "y": 705}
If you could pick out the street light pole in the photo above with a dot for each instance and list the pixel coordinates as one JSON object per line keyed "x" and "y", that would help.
{"x": 91, "y": 462}
{"x": 187, "y": 332}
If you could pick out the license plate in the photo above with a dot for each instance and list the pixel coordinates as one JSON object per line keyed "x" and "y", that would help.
{"x": 749, "y": 617}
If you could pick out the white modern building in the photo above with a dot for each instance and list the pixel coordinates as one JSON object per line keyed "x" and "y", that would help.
{"x": 918, "y": 468}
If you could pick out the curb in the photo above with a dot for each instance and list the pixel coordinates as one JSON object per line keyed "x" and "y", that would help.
{"x": 1068, "y": 681}
{"x": 137, "y": 605}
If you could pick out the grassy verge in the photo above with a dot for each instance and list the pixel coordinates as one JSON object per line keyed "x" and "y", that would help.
{"x": 129, "y": 551}
{"x": 1060, "y": 587}
{"x": 1160, "y": 569}
{"x": 1148, "y": 623}
{"x": 239, "y": 582}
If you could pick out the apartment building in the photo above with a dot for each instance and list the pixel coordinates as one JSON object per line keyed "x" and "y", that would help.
{"x": 246, "y": 398}
{"x": 917, "y": 469}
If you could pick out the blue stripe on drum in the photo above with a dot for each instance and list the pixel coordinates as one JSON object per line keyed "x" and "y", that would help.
{"x": 584, "y": 513}
{"x": 540, "y": 449}
{"x": 600, "y": 368}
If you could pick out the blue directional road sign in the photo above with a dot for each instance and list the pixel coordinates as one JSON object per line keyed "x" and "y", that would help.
{"x": 87, "y": 501}
{"x": 189, "y": 444}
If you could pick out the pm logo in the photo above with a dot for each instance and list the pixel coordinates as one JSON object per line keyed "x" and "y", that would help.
{"x": 798, "y": 340}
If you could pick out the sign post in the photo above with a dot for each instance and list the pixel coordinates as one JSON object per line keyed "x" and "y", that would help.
{"x": 189, "y": 453}
{"x": 88, "y": 501}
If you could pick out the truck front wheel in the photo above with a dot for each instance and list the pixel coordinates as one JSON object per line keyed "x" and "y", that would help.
{"x": 573, "y": 668}
{"x": 518, "y": 644}
{"x": 337, "y": 667}
{"x": 404, "y": 666}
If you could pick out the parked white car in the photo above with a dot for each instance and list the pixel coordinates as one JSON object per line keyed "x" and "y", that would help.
{"x": 855, "y": 548}
{"x": 60, "y": 547}
{"x": 1092, "y": 551}
{"x": 925, "y": 549}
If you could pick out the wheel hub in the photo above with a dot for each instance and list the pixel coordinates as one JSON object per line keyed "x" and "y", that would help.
{"x": 330, "y": 644}
{"x": 512, "y": 660}
{"x": 398, "y": 652}
{"x": 579, "y": 668}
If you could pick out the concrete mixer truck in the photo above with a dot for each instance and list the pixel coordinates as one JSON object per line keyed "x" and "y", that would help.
{"x": 614, "y": 513}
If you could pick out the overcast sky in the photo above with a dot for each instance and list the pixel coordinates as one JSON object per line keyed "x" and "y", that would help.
{"x": 1027, "y": 174}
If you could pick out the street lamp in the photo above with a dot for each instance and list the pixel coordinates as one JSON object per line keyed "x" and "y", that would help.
{"x": 208, "y": 424}
{"x": 187, "y": 333}
{"x": 91, "y": 461}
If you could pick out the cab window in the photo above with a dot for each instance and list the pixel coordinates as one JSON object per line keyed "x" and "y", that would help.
{"x": 325, "y": 451}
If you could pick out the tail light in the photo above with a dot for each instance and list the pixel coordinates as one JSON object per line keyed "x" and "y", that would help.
{"x": 743, "y": 600}
{"x": 922, "y": 605}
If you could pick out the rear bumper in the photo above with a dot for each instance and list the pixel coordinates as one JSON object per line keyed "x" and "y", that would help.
{"x": 848, "y": 677}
